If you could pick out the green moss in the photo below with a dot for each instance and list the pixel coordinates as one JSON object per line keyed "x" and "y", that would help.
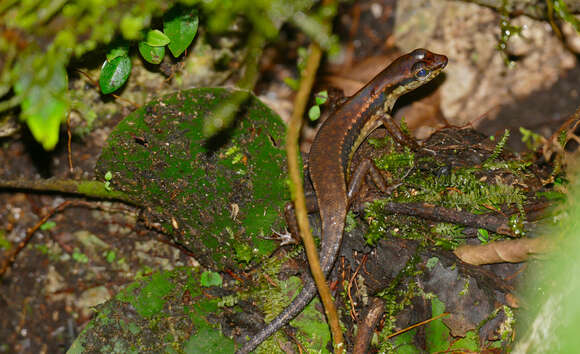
{"x": 163, "y": 312}
{"x": 498, "y": 148}
{"x": 313, "y": 331}
{"x": 475, "y": 189}
{"x": 219, "y": 194}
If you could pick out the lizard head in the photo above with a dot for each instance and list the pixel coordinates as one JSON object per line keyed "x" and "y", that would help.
{"x": 405, "y": 74}
{"x": 408, "y": 72}
{"x": 417, "y": 68}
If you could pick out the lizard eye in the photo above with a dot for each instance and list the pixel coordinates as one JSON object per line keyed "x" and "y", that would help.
{"x": 420, "y": 71}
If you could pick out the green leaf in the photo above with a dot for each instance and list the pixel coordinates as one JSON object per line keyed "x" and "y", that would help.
{"x": 114, "y": 74}
{"x": 314, "y": 112}
{"x": 79, "y": 256}
{"x": 483, "y": 235}
{"x": 180, "y": 26}
{"x": 44, "y": 102}
{"x": 211, "y": 279}
{"x": 48, "y": 225}
{"x": 209, "y": 341}
{"x": 153, "y": 295}
{"x": 321, "y": 97}
{"x": 110, "y": 256}
{"x": 156, "y": 38}
{"x": 438, "y": 337}
{"x": 117, "y": 52}
{"x": 153, "y": 55}
{"x": 292, "y": 83}
{"x": 4, "y": 243}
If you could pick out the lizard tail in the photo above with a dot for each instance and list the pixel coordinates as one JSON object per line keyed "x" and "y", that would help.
{"x": 297, "y": 305}
{"x": 329, "y": 251}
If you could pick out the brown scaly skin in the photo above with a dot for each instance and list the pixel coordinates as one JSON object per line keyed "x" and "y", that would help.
{"x": 337, "y": 140}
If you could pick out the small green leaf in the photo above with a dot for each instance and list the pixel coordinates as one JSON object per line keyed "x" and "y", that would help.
{"x": 321, "y": 97}
{"x": 483, "y": 235}
{"x": 117, "y": 52}
{"x": 180, "y": 26}
{"x": 4, "y": 243}
{"x": 156, "y": 38}
{"x": 114, "y": 74}
{"x": 108, "y": 176}
{"x": 153, "y": 55}
{"x": 209, "y": 341}
{"x": 79, "y": 256}
{"x": 47, "y": 225}
{"x": 292, "y": 83}
{"x": 243, "y": 252}
{"x": 44, "y": 99}
{"x": 211, "y": 279}
{"x": 432, "y": 262}
{"x": 132, "y": 25}
{"x": 110, "y": 256}
{"x": 153, "y": 296}
{"x": 314, "y": 112}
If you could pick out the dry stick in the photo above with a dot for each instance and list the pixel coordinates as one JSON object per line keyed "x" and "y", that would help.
{"x": 117, "y": 97}
{"x": 292, "y": 151}
{"x": 11, "y": 256}
{"x": 349, "y": 289}
{"x": 512, "y": 251}
{"x": 366, "y": 327}
{"x": 495, "y": 223}
{"x": 87, "y": 189}
{"x": 418, "y": 324}
{"x": 68, "y": 132}
{"x": 29, "y": 233}
{"x": 555, "y": 28}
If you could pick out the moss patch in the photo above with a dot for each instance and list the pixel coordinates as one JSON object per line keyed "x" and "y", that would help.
{"x": 216, "y": 196}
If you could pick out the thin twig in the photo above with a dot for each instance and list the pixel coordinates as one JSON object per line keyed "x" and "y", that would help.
{"x": 68, "y": 132}
{"x": 494, "y": 223}
{"x": 117, "y": 97}
{"x": 292, "y": 151}
{"x": 11, "y": 256}
{"x": 367, "y": 326}
{"x": 89, "y": 189}
{"x": 418, "y": 324}
{"x": 353, "y": 313}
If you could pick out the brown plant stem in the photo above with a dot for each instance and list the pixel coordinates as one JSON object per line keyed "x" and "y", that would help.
{"x": 292, "y": 151}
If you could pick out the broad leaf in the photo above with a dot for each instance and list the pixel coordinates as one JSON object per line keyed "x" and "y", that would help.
{"x": 153, "y": 55}
{"x": 114, "y": 74}
{"x": 44, "y": 102}
{"x": 180, "y": 25}
{"x": 156, "y": 38}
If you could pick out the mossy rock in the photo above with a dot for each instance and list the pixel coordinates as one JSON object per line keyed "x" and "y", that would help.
{"x": 167, "y": 312}
{"x": 218, "y": 197}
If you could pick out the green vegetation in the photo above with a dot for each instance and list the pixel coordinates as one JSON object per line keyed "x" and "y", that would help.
{"x": 475, "y": 189}
{"x": 219, "y": 197}
{"x": 180, "y": 26}
{"x": 550, "y": 322}
{"x": 163, "y": 312}
{"x": 41, "y": 37}
{"x": 320, "y": 99}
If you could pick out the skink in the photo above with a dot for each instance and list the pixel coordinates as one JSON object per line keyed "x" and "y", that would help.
{"x": 332, "y": 150}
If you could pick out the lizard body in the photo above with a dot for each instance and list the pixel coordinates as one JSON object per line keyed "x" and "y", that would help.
{"x": 332, "y": 150}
